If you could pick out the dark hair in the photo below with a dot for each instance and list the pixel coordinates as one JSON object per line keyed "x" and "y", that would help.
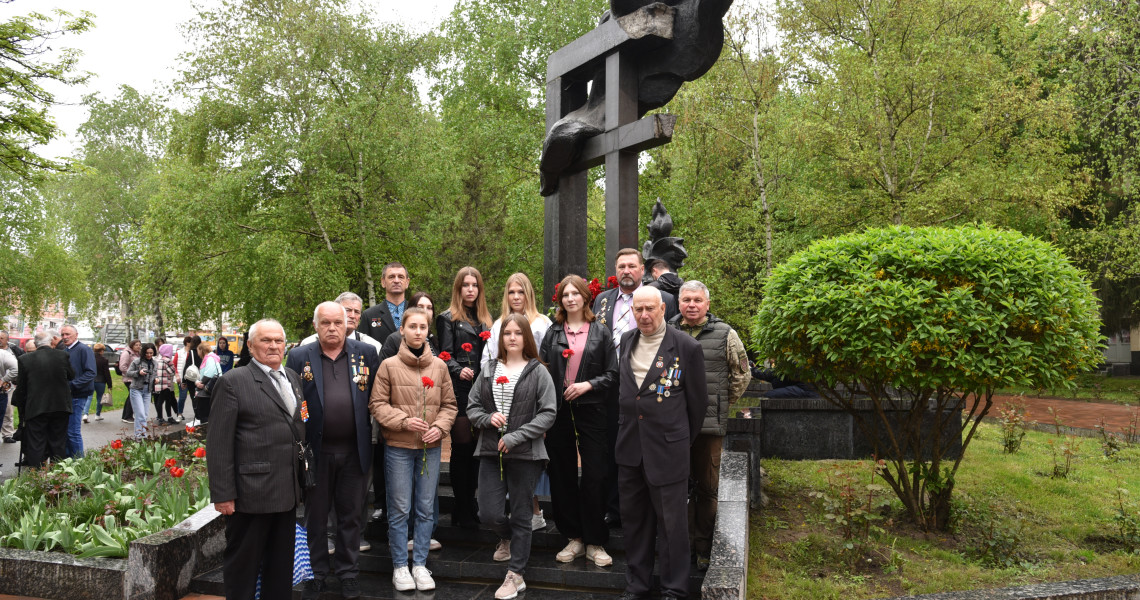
{"x": 529, "y": 349}
{"x": 186, "y": 340}
{"x": 583, "y": 288}
{"x": 222, "y": 340}
{"x": 653, "y": 263}
{"x": 131, "y": 344}
{"x": 415, "y": 298}
{"x": 158, "y": 341}
{"x": 145, "y": 347}
{"x": 194, "y": 341}
{"x": 244, "y": 356}
{"x": 628, "y": 251}
{"x": 393, "y": 265}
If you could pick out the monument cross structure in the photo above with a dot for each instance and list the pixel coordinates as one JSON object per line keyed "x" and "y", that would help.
{"x": 598, "y": 87}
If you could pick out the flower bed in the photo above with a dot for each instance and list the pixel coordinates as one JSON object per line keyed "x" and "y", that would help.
{"x": 96, "y": 505}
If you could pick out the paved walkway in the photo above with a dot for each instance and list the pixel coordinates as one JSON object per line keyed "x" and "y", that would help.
{"x": 1073, "y": 413}
{"x": 96, "y": 434}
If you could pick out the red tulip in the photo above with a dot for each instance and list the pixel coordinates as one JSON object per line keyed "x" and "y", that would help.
{"x": 170, "y": 462}
{"x": 117, "y": 444}
{"x": 484, "y": 335}
{"x": 467, "y": 347}
{"x": 189, "y": 429}
{"x": 200, "y": 452}
{"x": 177, "y": 471}
{"x": 445, "y": 355}
{"x": 567, "y": 353}
{"x": 501, "y": 379}
{"x": 428, "y": 383}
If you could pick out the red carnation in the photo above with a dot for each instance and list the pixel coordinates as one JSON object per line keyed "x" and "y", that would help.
{"x": 117, "y": 444}
{"x": 595, "y": 288}
{"x": 170, "y": 462}
{"x": 502, "y": 379}
{"x": 445, "y": 355}
{"x": 611, "y": 282}
{"x": 467, "y": 347}
{"x": 554, "y": 298}
{"x": 177, "y": 471}
{"x": 567, "y": 353}
{"x": 428, "y": 383}
{"x": 200, "y": 452}
{"x": 484, "y": 335}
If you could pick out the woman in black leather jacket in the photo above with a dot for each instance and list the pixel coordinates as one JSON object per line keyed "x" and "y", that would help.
{"x": 463, "y": 329}
{"x": 582, "y": 360}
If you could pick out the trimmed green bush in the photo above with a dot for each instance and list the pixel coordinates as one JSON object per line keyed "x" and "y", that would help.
{"x": 924, "y": 319}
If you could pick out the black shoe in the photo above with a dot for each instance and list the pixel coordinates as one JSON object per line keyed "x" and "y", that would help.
{"x": 669, "y": 596}
{"x": 349, "y": 588}
{"x": 613, "y": 521}
{"x": 313, "y": 589}
{"x": 9, "y": 440}
{"x": 633, "y": 596}
{"x": 171, "y": 421}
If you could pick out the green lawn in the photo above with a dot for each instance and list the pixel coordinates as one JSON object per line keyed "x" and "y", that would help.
{"x": 1015, "y": 525}
{"x": 1100, "y": 388}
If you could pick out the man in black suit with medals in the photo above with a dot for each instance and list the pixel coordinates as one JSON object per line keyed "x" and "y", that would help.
{"x": 614, "y": 309}
{"x": 384, "y": 317}
{"x": 256, "y": 420}
{"x": 662, "y": 397}
{"x": 336, "y": 380}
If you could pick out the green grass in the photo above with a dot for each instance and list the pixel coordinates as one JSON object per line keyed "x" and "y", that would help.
{"x": 1052, "y": 529}
{"x": 1092, "y": 387}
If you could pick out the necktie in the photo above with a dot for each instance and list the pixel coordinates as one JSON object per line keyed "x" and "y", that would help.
{"x": 284, "y": 390}
{"x": 624, "y": 317}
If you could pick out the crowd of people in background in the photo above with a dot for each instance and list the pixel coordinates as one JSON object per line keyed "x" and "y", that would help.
{"x": 631, "y": 384}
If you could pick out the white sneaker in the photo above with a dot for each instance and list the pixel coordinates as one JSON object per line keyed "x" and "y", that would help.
{"x": 98, "y": 417}
{"x": 537, "y": 522}
{"x": 402, "y": 580}
{"x": 599, "y": 555}
{"x": 365, "y": 545}
{"x": 432, "y": 547}
{"x": 423, "y": 579}
{"x": 85, "y": 418}
{"x": 572, "y": 550}
{"x": 376, "y": 514}
{"x": 181, "y": 418}
{"x": 512, "y": 585}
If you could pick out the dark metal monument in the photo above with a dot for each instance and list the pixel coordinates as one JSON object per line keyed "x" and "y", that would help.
{"x": 598, "y": 91}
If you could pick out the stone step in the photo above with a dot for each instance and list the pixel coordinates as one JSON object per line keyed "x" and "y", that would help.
{"x": 548, "y": 538}
{"x": 379, "y": 587}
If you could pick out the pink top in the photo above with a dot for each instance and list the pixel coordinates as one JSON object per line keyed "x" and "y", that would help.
{"x": 577, "y": 341}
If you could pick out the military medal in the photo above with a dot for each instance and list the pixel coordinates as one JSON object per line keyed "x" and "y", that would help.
{"x": 359, "y": 374}
{"x": 307, "y": 372}
{"x": 660, "y": 363}
{"x": 304, "y": 411}
{"x": 602, "y": 312}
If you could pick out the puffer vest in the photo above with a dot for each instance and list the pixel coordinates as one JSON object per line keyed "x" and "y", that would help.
{"x": 713, "y": 338}
{"x": 524, "y": 405}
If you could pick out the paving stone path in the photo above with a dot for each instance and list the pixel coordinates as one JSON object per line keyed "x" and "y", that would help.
{"x": 1079, "y": 414}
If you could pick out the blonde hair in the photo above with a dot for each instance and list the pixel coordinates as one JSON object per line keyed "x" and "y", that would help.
{"x": 204, "y": 348}
{"x": 530, "y": 309}
{"x": 458, "y": 311}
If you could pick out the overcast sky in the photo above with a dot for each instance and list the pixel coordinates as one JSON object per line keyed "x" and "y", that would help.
{"x": 137, "y": 42}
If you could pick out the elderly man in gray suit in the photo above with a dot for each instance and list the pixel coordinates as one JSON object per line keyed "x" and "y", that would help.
{"x": 255, "y": 421}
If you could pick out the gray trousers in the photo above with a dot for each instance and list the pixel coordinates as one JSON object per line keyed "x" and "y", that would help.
{"x": 339, "y": 481}
{"x": 649, "y": 512}
{"x": 518, "y": 479}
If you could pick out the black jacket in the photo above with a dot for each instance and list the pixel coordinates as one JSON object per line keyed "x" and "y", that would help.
{"x": 42, "y": 384}
{"x": 604, "y": 307}
{"x": 668, "y": 282}
{"x": 599, "y": 362}
{"x": 452, "y": 336}
{"x": 377, "y": 321}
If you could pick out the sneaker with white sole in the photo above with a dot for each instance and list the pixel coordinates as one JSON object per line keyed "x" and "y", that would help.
{"x": 502, "y": 551}
{"x": 599, "y": 555}
{"x": 432, "y": 547}
{"x": 402, "y": 580}
{"x": 537, "y": 522}
{"x": 572, "y": 550}
{"x": 85, "y": 418}
{"x": 423, "y": 579}
{"x": 98, "y": 417}
{"x": 512, "y": 585}
{"x": 365, "y": 545}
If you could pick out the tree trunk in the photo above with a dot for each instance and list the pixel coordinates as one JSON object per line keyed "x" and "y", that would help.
{"x": 363, "y": 232}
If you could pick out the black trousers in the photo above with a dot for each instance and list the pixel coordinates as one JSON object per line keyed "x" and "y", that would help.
{"x": 579, "y": 508}
{"x": 44, "y": 437}
{"x": 165, "y": 398}
{"x": 259, "y": 543}
{"x": 340, "y": 485}
{"x": 649, "y": 512}
{"x": 613, "y": 499}
{"x": 464, "y": 473}
{"x": 378, "y": 490}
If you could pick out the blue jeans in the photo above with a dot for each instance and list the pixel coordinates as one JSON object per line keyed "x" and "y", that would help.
{"x": 75, "y": 427}
{"x": 100, "y": 389}
{"x": 403, "y": 483}
{"x": 181, "y": 398}
{"x": 140, "y": 403}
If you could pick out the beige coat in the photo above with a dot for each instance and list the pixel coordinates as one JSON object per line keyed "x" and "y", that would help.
{"x": 398, "y": 395}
